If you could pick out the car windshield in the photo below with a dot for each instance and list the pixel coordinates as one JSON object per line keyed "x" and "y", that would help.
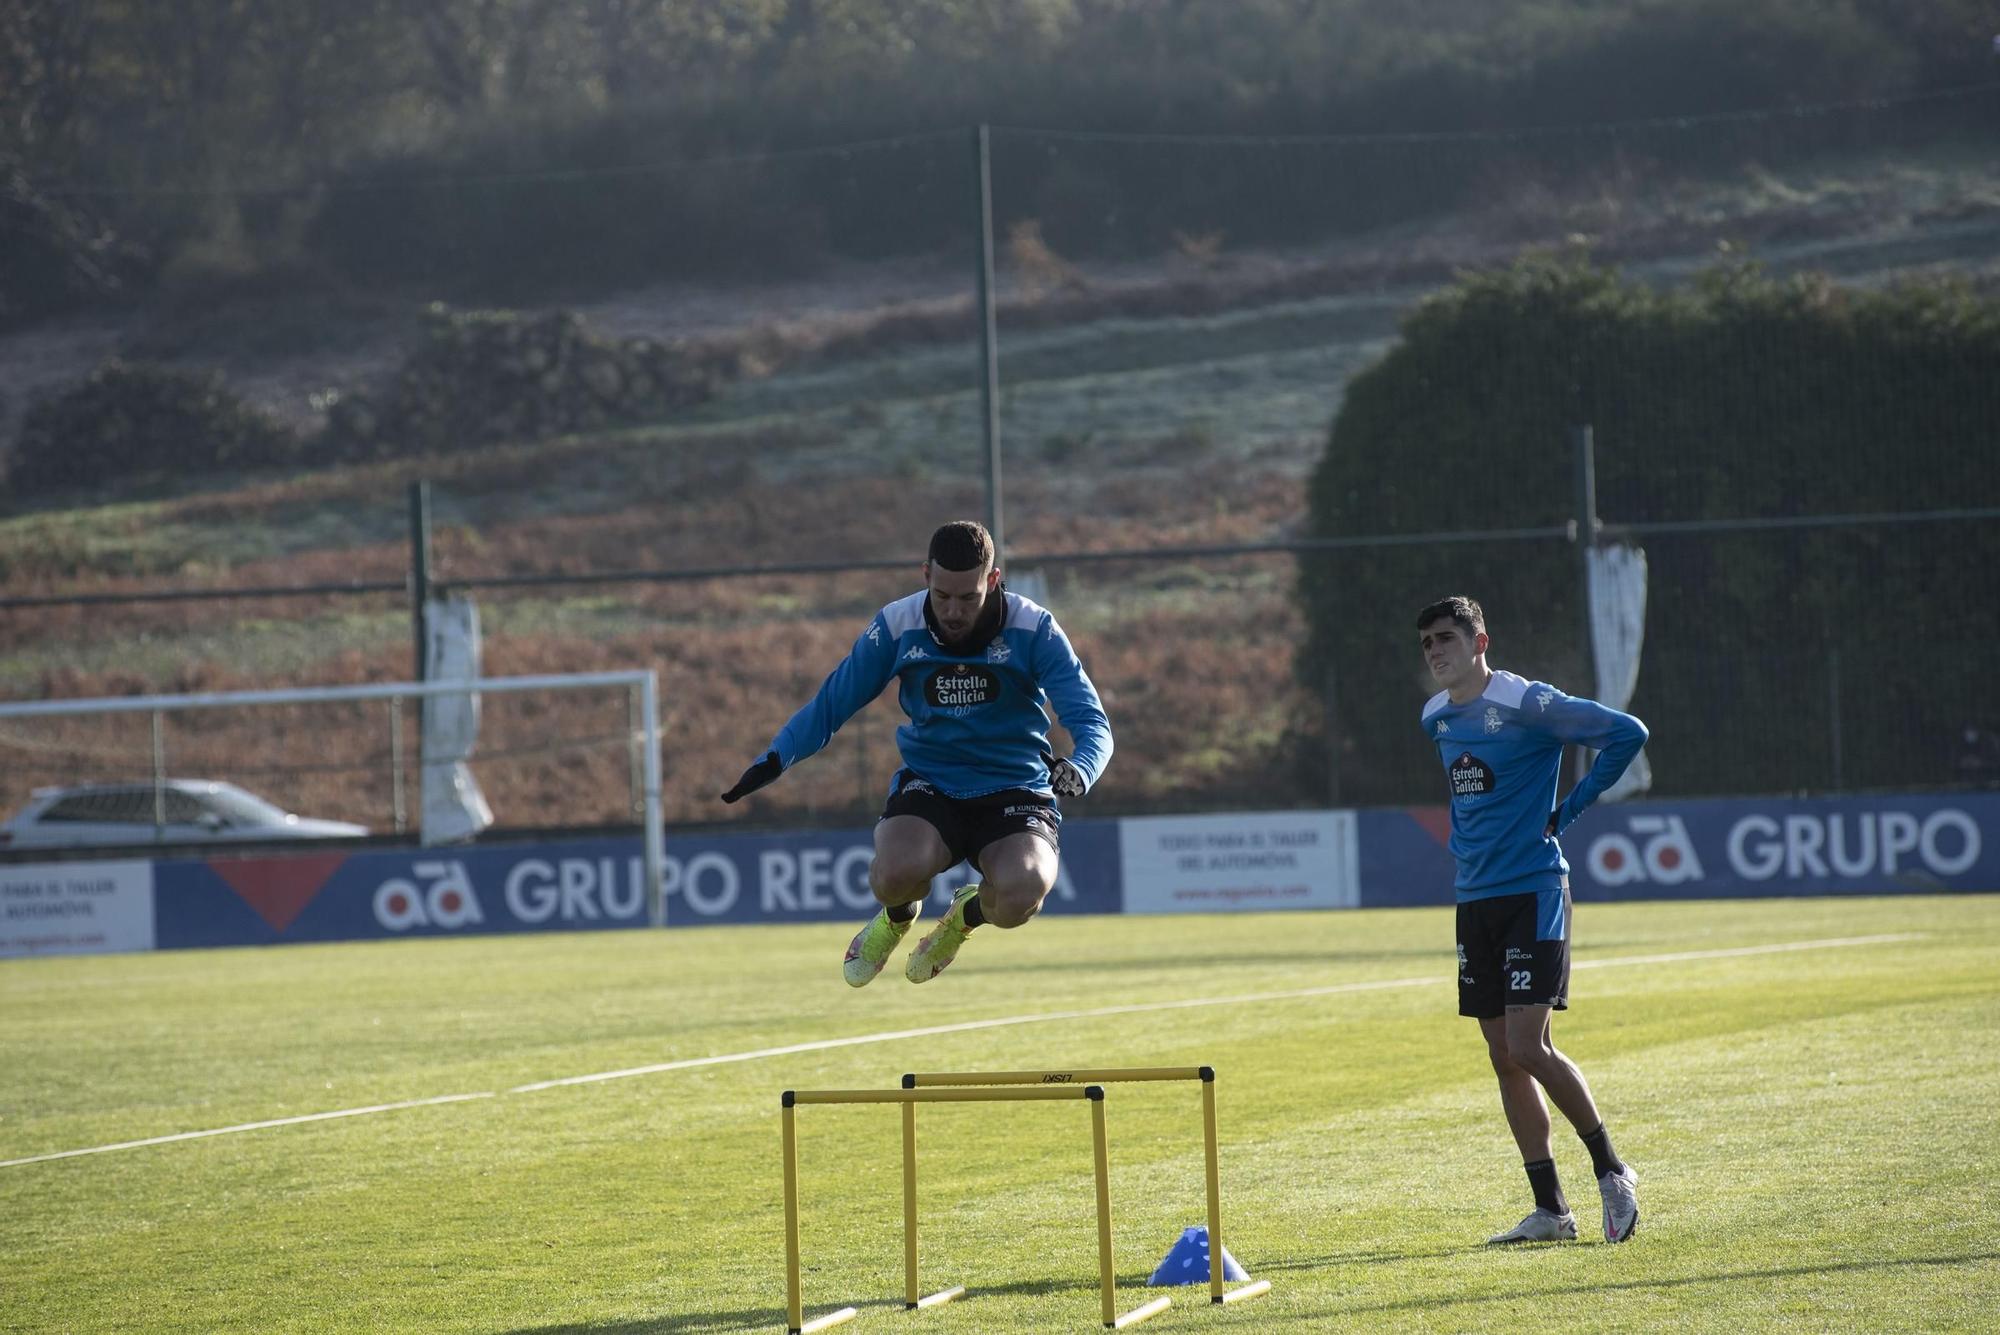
{"x": 241, "y": 808}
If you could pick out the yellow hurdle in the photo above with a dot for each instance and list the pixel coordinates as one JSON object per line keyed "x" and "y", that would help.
{"x": 940, "y": 1080}
{"x": 909, "y": 1098}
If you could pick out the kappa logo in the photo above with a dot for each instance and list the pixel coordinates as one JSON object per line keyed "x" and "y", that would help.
{"x": 1492, "y": 723}
{"x": 1544, "y": 699}
{"x": 874, "y": 632}
{"x": 916, "y": 651}
{"x": 1443, "y": 727}
{"x": 918, "y": 786}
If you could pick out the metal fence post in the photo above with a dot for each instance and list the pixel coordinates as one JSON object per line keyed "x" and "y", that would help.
{"x": 1585, "y": 446}
{"x": 989, "y": 352}
{"x": 397, "y": 803}
{"x": 159, "y": 772}
{"x": 420, "y": 567}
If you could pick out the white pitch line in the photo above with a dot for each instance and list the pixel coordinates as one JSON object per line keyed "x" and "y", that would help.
{"x": 999, "y": 1022}
{"x": 1779, "y": 949}
{"x": 247, "y": 1126}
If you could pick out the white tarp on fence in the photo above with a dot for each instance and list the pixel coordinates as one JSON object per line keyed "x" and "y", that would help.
{"x": 1617, "y": 637}
{"x": 453, "y": 807}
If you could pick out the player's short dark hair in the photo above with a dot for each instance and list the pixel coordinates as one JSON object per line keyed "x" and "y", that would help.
{"x": 962, "y": 545}
{"x": 1469, "y": 616}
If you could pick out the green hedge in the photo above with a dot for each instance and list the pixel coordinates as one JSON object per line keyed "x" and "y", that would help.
{"x": 1777, "y": 661}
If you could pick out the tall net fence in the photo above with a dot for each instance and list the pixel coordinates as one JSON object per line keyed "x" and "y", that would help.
{"x": 1830, "y": 681}
{"x": 772, "y": 361}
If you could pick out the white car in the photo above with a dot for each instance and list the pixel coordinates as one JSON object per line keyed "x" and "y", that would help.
{"x": 178, "y": 811}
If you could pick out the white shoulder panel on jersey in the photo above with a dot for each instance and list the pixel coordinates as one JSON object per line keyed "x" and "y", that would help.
{"x": 1022, "y": 613}
{"x": 1435, "y": 703}
{"x": 1507, "y": 689}
{"x": 906, "y": 614}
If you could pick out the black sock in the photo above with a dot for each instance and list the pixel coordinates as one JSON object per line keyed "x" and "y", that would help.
{"x": 1548, "y": 1190}
{"x": 1603, "y": 1160}
{"x": 902, "y": 912}
{"x": 974, "y": 915}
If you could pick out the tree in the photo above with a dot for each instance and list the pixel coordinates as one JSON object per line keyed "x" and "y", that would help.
{"x": 46, "y": 51}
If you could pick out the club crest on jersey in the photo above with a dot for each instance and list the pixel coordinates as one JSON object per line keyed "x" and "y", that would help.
{"x": 997, "y": 652}
{"x": 1470, "y": 776}
{"x": 1492, "y": 722}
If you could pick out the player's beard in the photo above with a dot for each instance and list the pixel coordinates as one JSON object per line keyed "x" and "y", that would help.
{"x": 978, "y": 631}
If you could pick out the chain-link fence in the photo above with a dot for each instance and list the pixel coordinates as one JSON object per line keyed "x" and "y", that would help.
{"x": 1179, "y": 324}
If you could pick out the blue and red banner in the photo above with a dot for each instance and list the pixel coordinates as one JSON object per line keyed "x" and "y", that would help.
{"x": 584, "y": 885}
{"x": 1214, "y": 862}
{"x": 1720, "y": 849}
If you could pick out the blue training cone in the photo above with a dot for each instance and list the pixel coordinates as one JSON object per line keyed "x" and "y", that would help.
{"x": 1187, "y": 1261}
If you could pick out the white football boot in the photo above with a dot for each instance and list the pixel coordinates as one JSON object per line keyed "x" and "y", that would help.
{"x": 1540, "y": 1226}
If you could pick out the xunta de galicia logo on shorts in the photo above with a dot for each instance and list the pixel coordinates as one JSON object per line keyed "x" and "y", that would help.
{"x": 1470, "y": 776}
{"x": 962, "y": 686}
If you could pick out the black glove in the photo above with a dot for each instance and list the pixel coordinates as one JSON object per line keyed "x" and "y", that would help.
{"x": 1066, "y": 779}
{"x": 759, "y": 774}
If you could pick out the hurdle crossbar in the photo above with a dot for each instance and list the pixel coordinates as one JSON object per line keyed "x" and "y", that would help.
{"x": 909, "y": 1098}
{"x": 1105, "y": 1075}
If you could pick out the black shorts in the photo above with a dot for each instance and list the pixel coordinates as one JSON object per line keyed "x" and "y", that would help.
{"x": 968, "y": 824}
{"x": 1513, "y": 950}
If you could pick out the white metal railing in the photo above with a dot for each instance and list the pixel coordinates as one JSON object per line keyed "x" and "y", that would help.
{"x": 644, "y": 681}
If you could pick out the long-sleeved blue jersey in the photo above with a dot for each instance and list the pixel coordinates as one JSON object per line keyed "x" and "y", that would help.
{"x": 977, "y": 723}
{"x": 1502, "y": 754}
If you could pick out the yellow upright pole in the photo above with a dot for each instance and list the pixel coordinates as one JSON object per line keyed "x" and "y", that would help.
{"x": 909, "y": 1206}
{"x": 1214, "y": 1187}
{"x": 794, "y": 1301}
{"x": 1107, "y": 1275}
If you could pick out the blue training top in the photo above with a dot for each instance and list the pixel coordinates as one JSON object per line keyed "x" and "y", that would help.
{"x": 1502, "y": 754}
{"x": 977, "y": 723}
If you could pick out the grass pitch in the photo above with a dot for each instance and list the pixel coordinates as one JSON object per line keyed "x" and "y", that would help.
{"x": 1814, "y": 1128}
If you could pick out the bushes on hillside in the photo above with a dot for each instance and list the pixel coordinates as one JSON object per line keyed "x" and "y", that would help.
{"x": 476, "y": 379}
{"x": 137, "y": 420}
{"x": 1738, "y": 398}
{"x": 482, "y": 377}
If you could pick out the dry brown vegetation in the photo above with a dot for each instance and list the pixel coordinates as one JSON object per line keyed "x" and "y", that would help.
{"x": 1194, "y": 660}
